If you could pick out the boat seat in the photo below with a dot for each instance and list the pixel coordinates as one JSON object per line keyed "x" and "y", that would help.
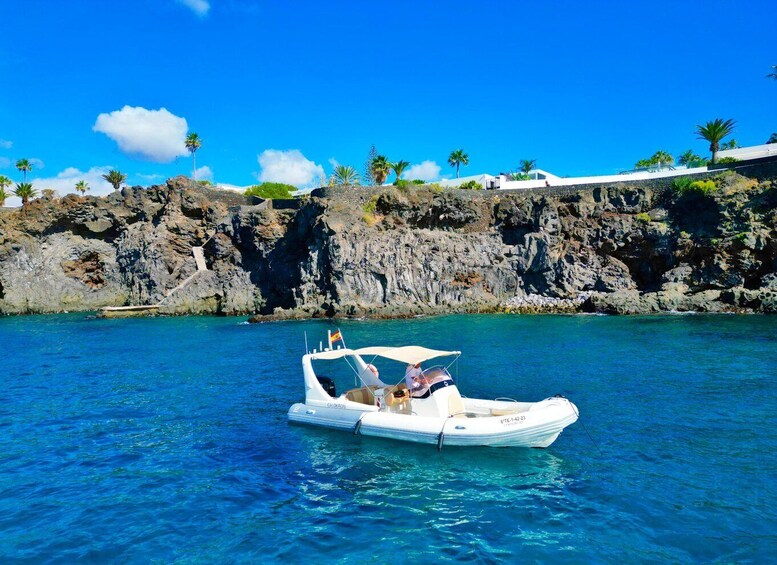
{"x": 392, "y": 400}
{"x": 362, "y": 395}
{"x": 456, "y": 405}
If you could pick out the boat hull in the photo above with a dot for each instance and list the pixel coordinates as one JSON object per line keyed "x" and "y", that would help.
{"x": 536, "y": 427}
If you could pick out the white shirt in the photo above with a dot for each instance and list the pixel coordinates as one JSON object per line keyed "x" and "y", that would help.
{"x": 411, "y": 374}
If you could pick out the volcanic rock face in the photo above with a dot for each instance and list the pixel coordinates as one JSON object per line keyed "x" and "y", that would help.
{"x": 631, "y": 248}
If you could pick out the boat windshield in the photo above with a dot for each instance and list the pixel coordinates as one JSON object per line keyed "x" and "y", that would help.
{"x": 436, "y": 374}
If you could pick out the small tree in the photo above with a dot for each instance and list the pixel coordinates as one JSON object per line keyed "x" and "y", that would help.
{"x": 346, "y": 175}
{"x": 381, "y": 167}
{"x": 690, "y": 159}
{"x": 772, "y": 139}
{"x": 714, "y": 132}
{"x": 369, "y": 175}
{"x": 658, "y": 159}
{"x": 399, "y": 168}
{"x": 729, "y": 145}
{"x": 25, "y": 191}
{"x": 115, "y": 178}
{"x": 458, "y": 158}
{"x": 527, "y": 165}
{"x": 24, "y": 166}
{"x": 193, "y": 143}
{"x": 82, "y": 186}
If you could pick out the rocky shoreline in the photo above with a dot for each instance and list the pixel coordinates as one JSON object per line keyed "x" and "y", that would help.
{"x": 630, "y": 248}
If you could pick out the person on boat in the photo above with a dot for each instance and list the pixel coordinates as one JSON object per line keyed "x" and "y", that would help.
{"x": 414, "y": 379}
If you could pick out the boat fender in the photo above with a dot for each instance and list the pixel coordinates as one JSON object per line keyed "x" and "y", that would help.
{"x": 440, "y": 440}
{"x": 358, "y": 426}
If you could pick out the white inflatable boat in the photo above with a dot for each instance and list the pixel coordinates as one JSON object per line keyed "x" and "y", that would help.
{"x": 435, "y": 412}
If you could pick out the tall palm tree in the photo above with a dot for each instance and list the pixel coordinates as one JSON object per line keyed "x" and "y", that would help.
{"x": 527, "y": 165}
{"x": 25, "y": 191}
{"x": 399, "y": 168}
{"x": 660, "y": 157}
{"x": 115, "y": 178}
{"x": 346, "y": 175}
{"x": 193, "y": 143}
{"x": 714, "y": 132}
{"x": 381, "y": 167}
{"x": 24, "y": 166}
{"x": 82, "y": 186}
{"x": 458, "y": 158}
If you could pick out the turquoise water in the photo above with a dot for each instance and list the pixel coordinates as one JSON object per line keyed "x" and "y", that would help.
{"x": 166, "y": 439}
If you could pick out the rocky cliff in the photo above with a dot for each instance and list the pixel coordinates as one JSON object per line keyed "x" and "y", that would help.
{"x": 627, "y": 248}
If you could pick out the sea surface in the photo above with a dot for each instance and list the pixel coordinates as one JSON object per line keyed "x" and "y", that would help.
{"x": 166, "y": 440}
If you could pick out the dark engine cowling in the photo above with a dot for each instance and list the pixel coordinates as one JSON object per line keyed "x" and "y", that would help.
{"x": 328, "y": 385}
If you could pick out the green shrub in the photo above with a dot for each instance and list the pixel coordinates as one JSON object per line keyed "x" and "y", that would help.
{"x": 435, "y": 187}
{"x": 204, "y": 183}
{"x": 702, "y": 187}
{"x": 681, "y": 184}
{"x": 403, "y": 183}
{"x": 471, "y": 185}
{"x": 418, "y": 181}
{"x": 642, "y": 218}
{"x": 727, "y": 160}
{"x": 271, "y": 190}
{"x": 686, "y": 185}
{"x": 370, "y": 206}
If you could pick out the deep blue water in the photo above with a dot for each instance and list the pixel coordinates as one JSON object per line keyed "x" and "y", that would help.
{"x": 166, "y": 439}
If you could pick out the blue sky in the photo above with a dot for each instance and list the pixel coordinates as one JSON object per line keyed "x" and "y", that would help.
{"x": 583, "y": 87}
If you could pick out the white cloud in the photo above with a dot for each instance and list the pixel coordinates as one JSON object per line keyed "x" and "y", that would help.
{"x": 291, "y": 167}
{"x": 334, "y": 162}
{"x": 199, "y": 7}
{"x": 203, "y": 173}
{"x": 36, "y": 163}
{"x": 5, "y": 144}
{"x": 153, "y": 135}
{"x": 427, "y": 170}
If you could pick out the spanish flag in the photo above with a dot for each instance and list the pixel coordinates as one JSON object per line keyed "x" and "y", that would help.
{"x": 336, "y": 337}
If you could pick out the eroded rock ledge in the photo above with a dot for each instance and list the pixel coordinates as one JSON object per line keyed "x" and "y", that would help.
{"x": 628, "y": 248}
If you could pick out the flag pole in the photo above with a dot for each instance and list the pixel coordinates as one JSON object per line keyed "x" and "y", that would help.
{"x": 329, "y": 338}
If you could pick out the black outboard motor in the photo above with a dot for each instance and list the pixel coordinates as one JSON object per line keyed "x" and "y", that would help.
{"x": 329, "y": 386}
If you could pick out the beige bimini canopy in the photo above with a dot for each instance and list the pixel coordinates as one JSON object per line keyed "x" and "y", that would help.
{"x": 410, "y": 354}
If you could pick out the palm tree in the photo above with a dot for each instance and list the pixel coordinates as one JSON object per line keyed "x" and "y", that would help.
{"x": 346, "y": 175}
{"x": 193, "y": 143}
{"x": 689, "y": 158}
{"x": 24, "y": 166}
{"x": 661, "y": 157}
{"x": 714, "y": 132}
{"x": 25, "y": 191}
{"x": 115, "y": 178}
{"x": 3, "y": 194}
{"x": 5, "y": 182}
{"x": 458, "y": 158}
{"x": 527, "y": 165}
{"x": 399, "y": 168}
{"x": 82, "y": 186}
{"x": 381, "y": 167}
{"x": 772, "y": 138}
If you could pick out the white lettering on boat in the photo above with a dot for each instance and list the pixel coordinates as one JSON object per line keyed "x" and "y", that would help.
{"x": 334, "y": 405}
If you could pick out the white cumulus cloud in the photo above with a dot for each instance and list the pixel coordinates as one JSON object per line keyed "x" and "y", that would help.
{"x": 203, "y": 173}
{"x": 290, "y": 167}
{"x": 153, "y": 135}
{"x": 36, "y": 163}
{"x": 199, "y": 7}
{"x": 426, "y": 170}
{"x": 5, "y": 144}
